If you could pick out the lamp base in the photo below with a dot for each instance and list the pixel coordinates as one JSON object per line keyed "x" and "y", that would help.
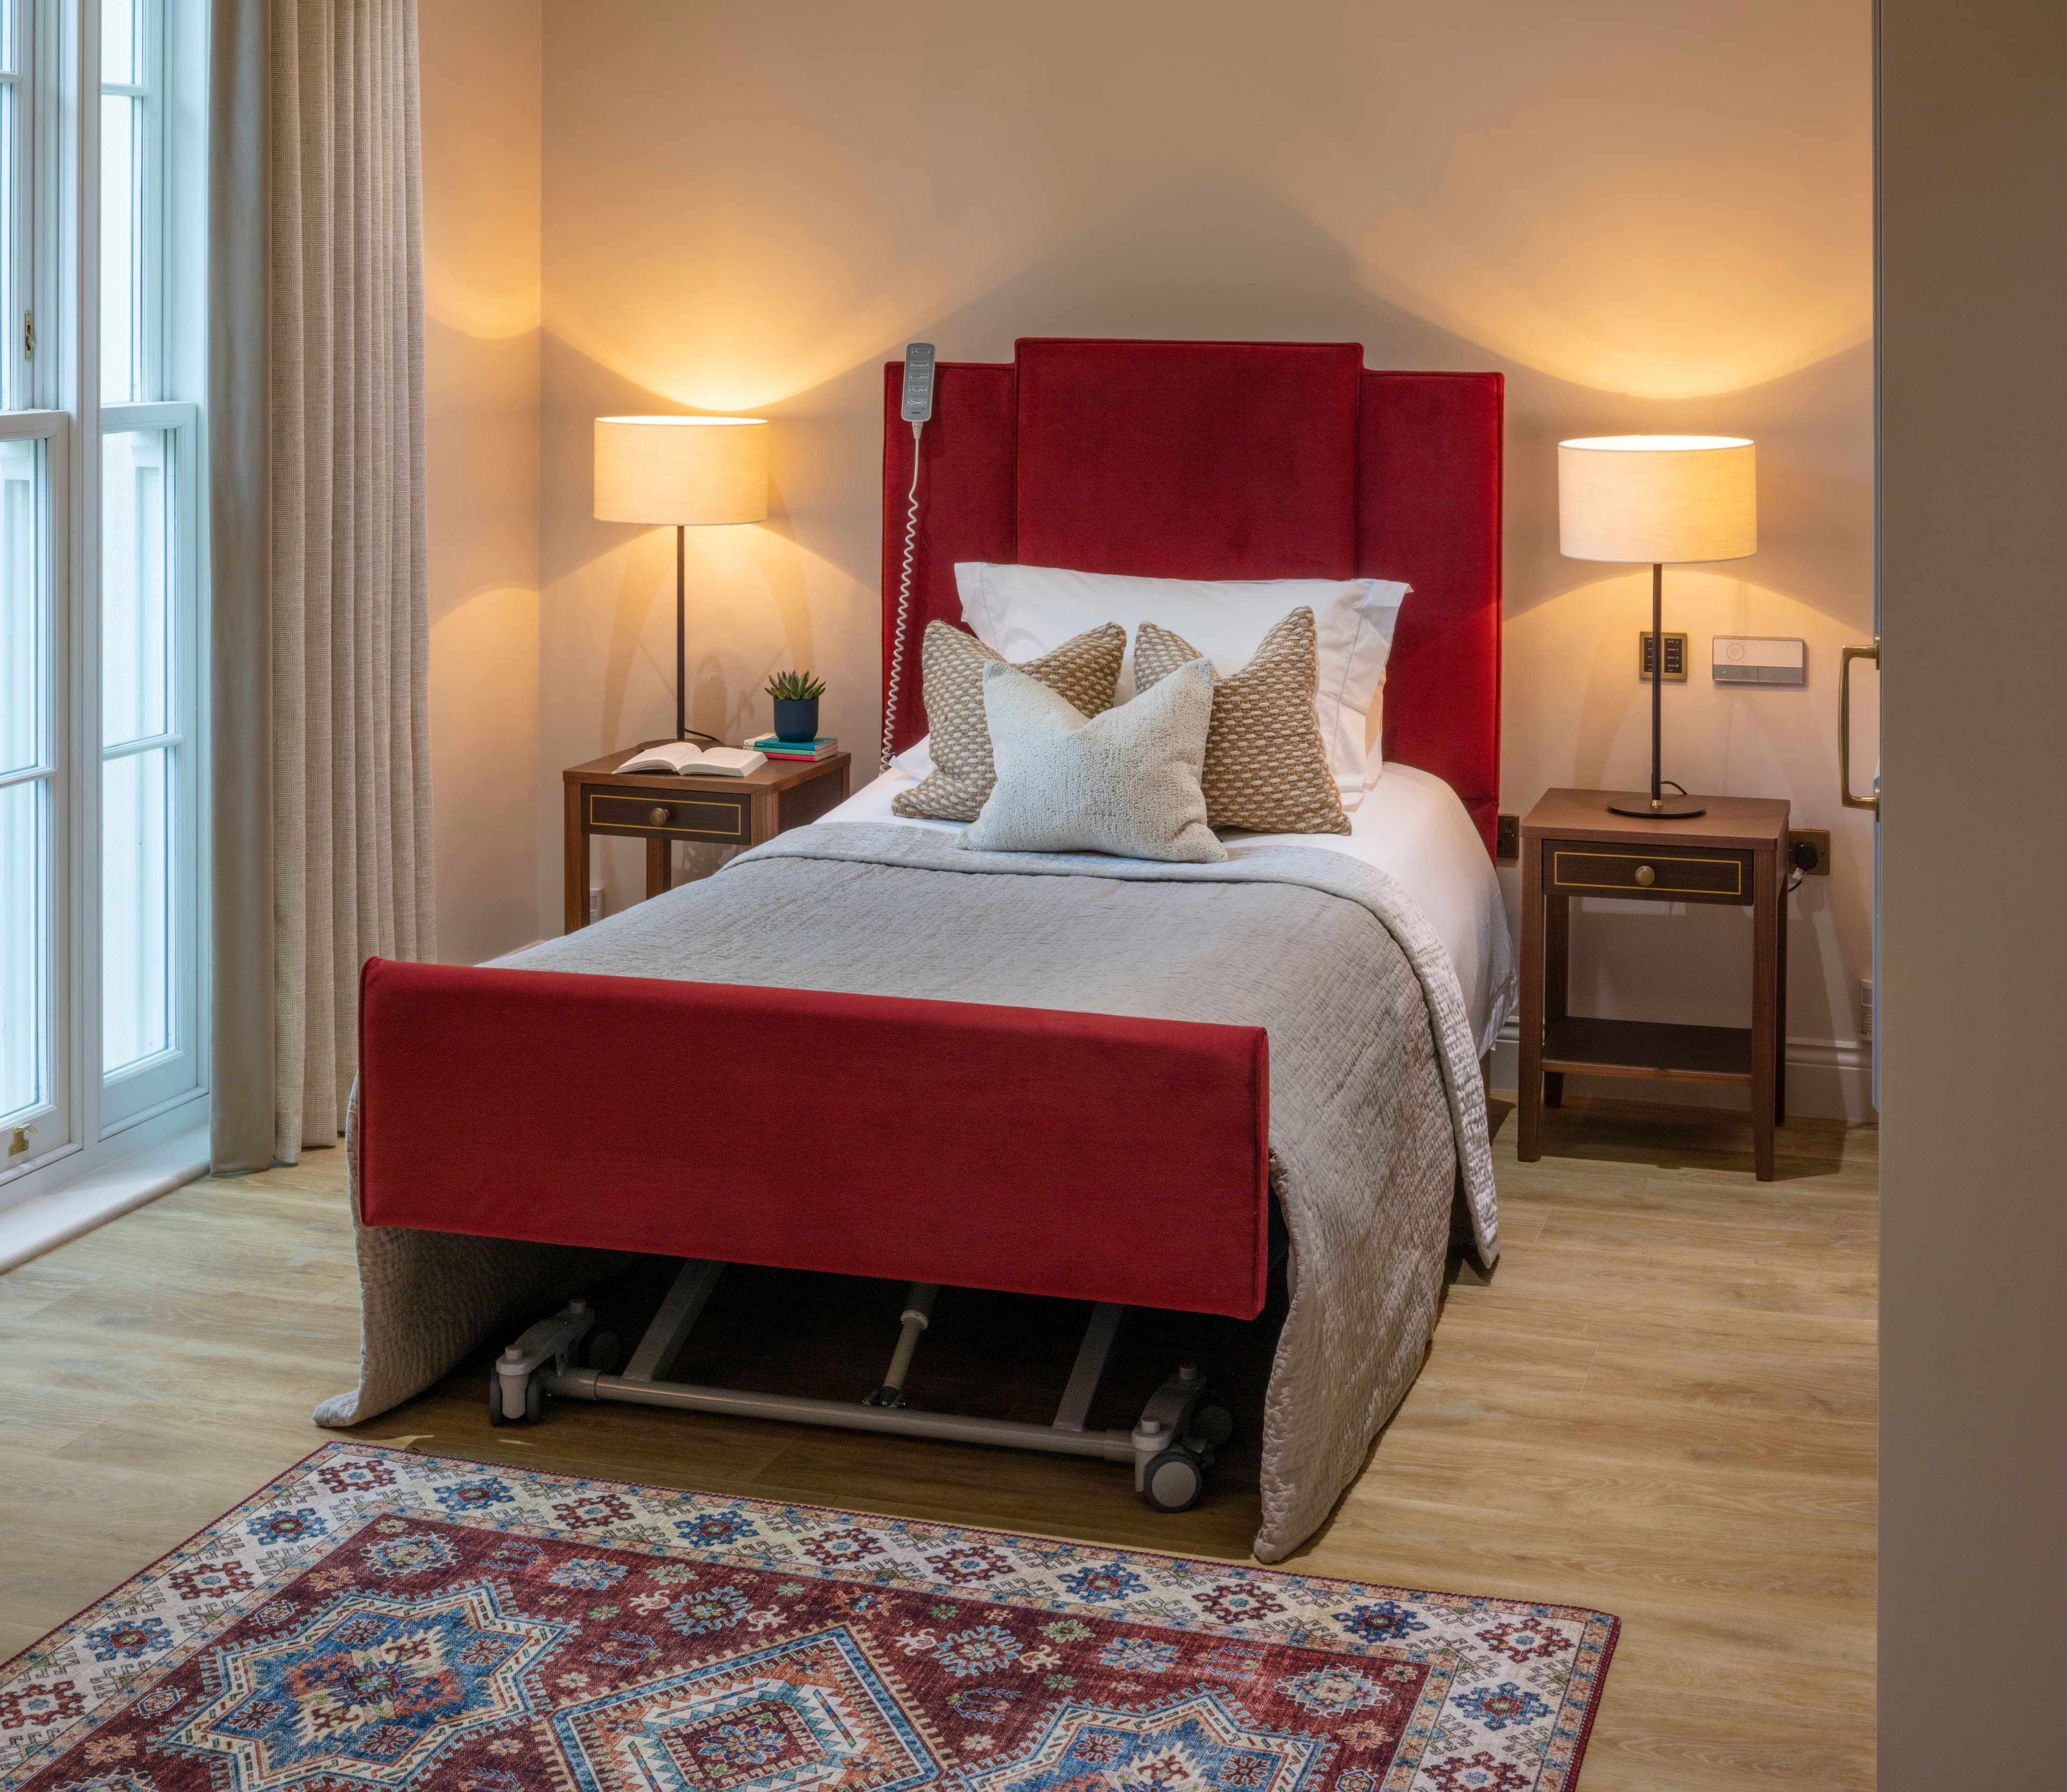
{"x": 1661, "y": 809}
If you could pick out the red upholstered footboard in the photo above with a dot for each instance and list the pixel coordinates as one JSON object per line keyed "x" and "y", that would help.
{"x": 1094, "y": 1157}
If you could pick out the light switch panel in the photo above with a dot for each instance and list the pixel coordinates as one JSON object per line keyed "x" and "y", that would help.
{"x": 1761, "y": 659}
{"x": 1676, "y": 657}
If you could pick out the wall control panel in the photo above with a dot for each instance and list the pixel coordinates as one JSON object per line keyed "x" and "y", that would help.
{"x": 1761, "y": 659}
{"x": 1676, "y": 657}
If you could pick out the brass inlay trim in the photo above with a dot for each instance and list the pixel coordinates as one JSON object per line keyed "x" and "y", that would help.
{"x": 1656, "y": 861}
{"x": 735, "y": 814}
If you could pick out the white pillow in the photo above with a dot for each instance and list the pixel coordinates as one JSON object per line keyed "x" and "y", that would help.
{"x": 1124, "y": 781}
{"x": 916, "y": 760}
{"x": 1024, "y": 611}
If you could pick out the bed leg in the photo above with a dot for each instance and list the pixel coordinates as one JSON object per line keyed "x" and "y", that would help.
{"x": 917, "y": 1315}
{"x": 1088, "y": 1369}
{"x": 677, "y": 1314}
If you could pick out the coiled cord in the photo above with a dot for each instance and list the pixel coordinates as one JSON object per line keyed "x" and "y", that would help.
{"x": 904, "y": 602}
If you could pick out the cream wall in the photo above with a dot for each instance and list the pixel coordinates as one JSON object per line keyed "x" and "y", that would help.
{"x": 1650, "y": 215}
{"x": 479, "y": 72}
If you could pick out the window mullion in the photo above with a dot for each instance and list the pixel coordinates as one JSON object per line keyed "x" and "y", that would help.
{"x": 143, "y": 744}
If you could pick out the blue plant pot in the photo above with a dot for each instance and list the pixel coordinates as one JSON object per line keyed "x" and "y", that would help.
{"x": 796, "y": 720}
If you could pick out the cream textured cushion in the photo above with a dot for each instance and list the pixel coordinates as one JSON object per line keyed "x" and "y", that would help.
{"x": 1084, "y": 670}
{"x": 1124, "y": 782}
{"x": 1266, "y": 765}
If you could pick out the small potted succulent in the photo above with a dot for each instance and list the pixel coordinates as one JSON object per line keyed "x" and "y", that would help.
{"x": 796, "y": 695}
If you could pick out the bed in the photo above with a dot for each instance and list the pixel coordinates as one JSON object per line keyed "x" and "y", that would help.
{"x": 1065, "y": 1074}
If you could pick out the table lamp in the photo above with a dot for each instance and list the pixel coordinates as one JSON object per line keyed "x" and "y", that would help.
{"x": 1658, "y": 498}
{"x": 692, "y": 472}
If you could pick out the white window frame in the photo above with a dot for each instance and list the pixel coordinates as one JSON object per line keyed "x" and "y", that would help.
{"x": 89, "y": 1118}
{"x": 33, "y": 208}
{"x": 53, "y": 1122}
{"x": 138, "y": 1091}
{"x": 150, "y": 322}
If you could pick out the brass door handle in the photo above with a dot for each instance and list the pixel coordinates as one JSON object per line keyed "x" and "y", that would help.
{"x": 1645, "y": 877}
{"x": 1845, "y": 728}
{"x": 656, "y": 817}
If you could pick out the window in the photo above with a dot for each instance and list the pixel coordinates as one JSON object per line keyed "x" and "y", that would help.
{"x": 18, "y": 165}
{"x": 27, "y": 664}
{"x": 103, "y": 1025}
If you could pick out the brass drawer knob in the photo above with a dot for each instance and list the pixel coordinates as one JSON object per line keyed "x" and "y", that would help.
{"x": 1645, "y": 876}
{"x": 657, "y": 816}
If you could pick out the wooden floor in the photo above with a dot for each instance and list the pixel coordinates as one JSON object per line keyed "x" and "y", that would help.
{"x": 1661, "y": 1405}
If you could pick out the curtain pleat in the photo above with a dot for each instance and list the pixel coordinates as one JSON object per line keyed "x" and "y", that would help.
{"x": 240, "y": 266}
{"x": 351, "y": 637}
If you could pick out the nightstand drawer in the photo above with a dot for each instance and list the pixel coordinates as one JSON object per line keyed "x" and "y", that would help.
{"x": 1679, "y": 876}
{"x": 670, "y": 815}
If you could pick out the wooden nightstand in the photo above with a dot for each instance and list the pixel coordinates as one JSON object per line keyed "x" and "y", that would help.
{"x": 660, "y": 810}
{"x": 1735, "y": 853}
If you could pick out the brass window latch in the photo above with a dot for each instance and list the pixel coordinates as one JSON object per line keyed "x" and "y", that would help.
{"x": 28, "y": 335}
{"x": 17, "y": 1140}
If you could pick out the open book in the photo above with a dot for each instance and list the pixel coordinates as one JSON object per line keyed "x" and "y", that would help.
{"x": 684, "y": 758}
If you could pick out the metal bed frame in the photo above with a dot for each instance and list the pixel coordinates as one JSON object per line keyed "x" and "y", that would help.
{"x": 1182, "y": 1428}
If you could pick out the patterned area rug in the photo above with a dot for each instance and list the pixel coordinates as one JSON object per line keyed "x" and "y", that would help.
{"x": 378, "y": 1619}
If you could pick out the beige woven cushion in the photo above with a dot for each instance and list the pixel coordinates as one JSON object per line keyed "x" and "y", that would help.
{"x": 1125, "y": 782}
{"x": 1082, "y": 670}
{"x": 1266, "y": 764}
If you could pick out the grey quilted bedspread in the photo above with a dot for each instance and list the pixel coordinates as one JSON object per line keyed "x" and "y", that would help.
{"x": 1377, "y": 1111}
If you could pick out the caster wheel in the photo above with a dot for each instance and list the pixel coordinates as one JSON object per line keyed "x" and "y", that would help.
{"x": 604, "y": 1353}
{"x": 1173, "y": 1482}
{"x": 534, "y": 1400}
{"x": 1212, "y": 1424}
{"x": 495, "y": 1399}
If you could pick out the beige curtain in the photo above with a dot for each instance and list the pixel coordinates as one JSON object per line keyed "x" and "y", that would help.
{"x": 345, "y": 636}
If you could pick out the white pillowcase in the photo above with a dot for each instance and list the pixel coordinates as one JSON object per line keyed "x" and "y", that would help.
{"x": 1124, "y": 781}
{"x": 1022, "y": 612}
{"x": 916, "y": 760}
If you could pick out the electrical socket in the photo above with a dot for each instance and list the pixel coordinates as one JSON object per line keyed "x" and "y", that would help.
{"x": 595, "y": 903}
{"x": 1816, "y": 838}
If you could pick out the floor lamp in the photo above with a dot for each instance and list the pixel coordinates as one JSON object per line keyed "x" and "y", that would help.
{"x": 1660, "y": 498}
{"x": 692, "y": 472}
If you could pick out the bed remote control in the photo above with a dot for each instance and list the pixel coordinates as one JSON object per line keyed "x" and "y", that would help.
{"x": 917, "y": 409}
{"x": 918, "y": 382}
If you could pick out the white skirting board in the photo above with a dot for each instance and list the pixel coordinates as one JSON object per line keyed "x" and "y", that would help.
{"x": 1826, "y": 1080}
{"x": 44, "y": 1222}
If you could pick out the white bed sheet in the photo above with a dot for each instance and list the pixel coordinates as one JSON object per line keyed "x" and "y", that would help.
{"x": 1411, "y": 826}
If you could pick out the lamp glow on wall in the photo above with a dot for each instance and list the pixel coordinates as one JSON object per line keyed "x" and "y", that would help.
{"x": 1659, "y": 498}
{"x": 695, "y": 472}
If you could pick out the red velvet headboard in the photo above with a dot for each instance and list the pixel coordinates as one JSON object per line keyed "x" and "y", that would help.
{"x": 1224, "y": 460}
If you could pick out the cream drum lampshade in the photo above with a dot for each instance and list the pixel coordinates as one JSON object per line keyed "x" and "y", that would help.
{"x": 1657, "y": 498}
{"x": 681, "y": 470}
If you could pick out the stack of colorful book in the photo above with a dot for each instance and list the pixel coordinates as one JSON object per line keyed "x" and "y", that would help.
{"x": 823, "y": 748}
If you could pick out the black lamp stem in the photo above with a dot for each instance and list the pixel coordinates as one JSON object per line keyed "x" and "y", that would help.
{"x": 682, "y": 651}
{"x": 1659, "y": 807}
{"x": 1657, "y": 676}
{"x": 683, "y": 730}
